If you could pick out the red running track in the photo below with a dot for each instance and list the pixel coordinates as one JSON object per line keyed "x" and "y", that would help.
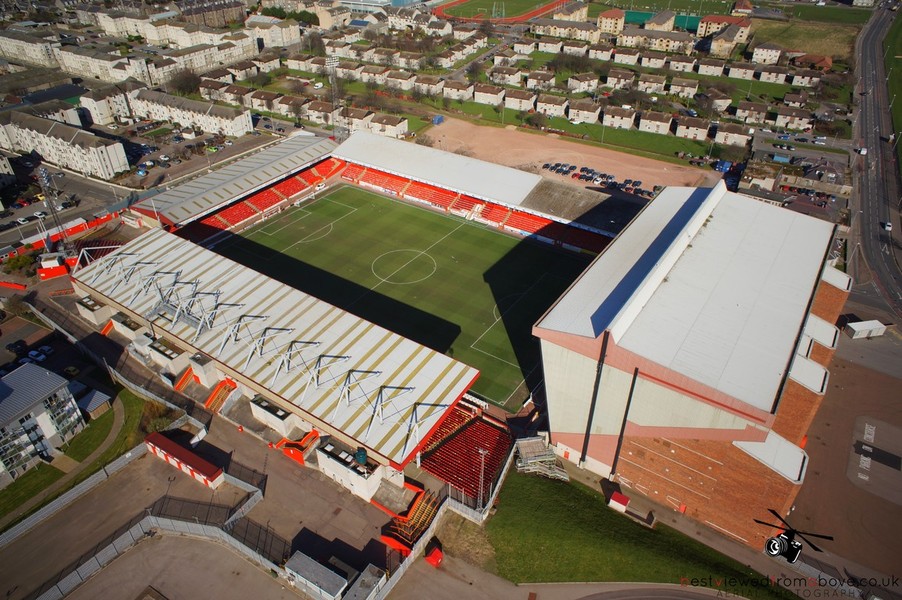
{"x": 439, "y": 11}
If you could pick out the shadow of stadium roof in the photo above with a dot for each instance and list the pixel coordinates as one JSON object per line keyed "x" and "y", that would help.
{"x": 588, "y": 206}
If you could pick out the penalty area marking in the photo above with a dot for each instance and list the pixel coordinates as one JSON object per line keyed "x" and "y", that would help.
{"x": 417, "y": 254}
{"x": 522, "y": 295}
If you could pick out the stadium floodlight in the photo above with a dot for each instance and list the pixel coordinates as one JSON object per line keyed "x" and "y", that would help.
{"x": 353, "y": 378}
{"x": 381, "y": 400}
{"x": 260, "y": 340}
{"x": 293, "y": 347}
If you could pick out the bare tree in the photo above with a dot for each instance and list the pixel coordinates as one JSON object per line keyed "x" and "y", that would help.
{"x": 184, "y": 82}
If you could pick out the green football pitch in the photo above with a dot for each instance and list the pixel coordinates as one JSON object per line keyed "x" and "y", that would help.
{"x": 450, "y": 284}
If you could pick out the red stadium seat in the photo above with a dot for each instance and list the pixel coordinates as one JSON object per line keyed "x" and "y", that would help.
{"x": 525, "y": 222}
{"x": 385, "y": 181}
{"x": 465, "y": 204}
{"x": 494, "y": 213}
{"x": 353, "y": 172}
{"x": 428, "y": 193}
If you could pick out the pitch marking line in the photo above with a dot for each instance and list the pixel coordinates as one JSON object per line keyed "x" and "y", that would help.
{"x": 524, "y": 294}
{"x": 388, "y": 279}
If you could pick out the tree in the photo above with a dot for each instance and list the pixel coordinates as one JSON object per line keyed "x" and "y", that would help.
{"x": 260, "y": 80}
{"x": 313, "y": 41}
{"x": 296, "y": 86}
{"x": 487, "y": 27}
{"x": 184, "y": 82}
{"x": 473, "y": 70}
{"x": 537, "y": 120}
{"x": 339, "y": 86}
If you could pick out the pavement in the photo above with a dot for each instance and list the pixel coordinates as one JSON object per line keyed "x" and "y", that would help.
{"x": 73, "y": 471}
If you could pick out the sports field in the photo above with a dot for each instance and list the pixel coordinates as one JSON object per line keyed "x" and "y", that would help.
{"x": 490, "y": 8}
{"x": 450, "y": 284}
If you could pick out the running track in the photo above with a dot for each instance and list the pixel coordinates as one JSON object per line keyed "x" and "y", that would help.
{"x": 439, "y": 11}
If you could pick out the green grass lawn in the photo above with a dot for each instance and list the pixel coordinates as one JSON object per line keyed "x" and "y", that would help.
{"x": 550, "y": 531}
{"x": 26, "y": 486}
{"x": 893, "y": 46}
{"x": 826, "y": 14}
{"x": 830, "y": 39}
{"x": 450, "y": 284}
{"x": 81, "y": 446}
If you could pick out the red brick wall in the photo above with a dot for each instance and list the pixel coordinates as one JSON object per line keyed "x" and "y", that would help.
{"x": 796, "y": 410}
{"x": 828, "y": 302}
{"x": 720, "y": 485}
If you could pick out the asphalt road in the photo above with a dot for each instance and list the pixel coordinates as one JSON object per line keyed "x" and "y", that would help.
{"x": 878, "y": 196}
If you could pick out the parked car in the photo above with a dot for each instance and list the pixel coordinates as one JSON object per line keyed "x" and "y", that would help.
{"x": 141, "y": 173}
{"x": 18, "y": 347}
{"x": 48, "y": 350}
{"x": 36, "y": 356}
{"x": 40, "y": 214}
{"x": 71, "y": 371}
{"x": 22, "y": 221}
{"x": 164, "y": 157}
{"x": 320, "y": 187}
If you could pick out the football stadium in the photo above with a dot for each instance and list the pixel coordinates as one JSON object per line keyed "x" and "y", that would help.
{"x": 377, "y": 302}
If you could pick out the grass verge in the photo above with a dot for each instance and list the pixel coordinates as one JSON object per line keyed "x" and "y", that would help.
{"x": 892, "y": 45}
{"x": 547, "y": 531}
{"x": 83, "y": 444}
{"x": 26, "y": 486}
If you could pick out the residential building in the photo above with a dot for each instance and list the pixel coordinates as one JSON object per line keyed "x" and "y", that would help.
{"x": 223, "y": 75}
{"x": 724, "y": 42}
{"x": 655, "y": 122}
{"x": 767, "y": 53}
{"x": 813, "y": 61}
{"x": 683, "y": 88}
{"x": 806, "y": 78}
{"x": 584, "y": 111}
{"x": 572, "y": 11}
{"x": 22, "y": 47}
{"x": 711, "y": 24}
{"x": 742, "y": 8}
{"x": 618, "y": 117}
{"x": 520, "y": 100}
{"x": 732, "y": 134}
{"x": 263, "y": 100}
{"x": 552, "y": 106}
{"x": 354, "y": 119}
{"x": 540, "y": 80}
{"x": 551, "y": 45}
{"x": 108, "y": 105}
{"x": 651, "y": 84}
{"x": 399, "y": 80}
{"x": 741, "y": 71}
{"x": 458, "y": 90}
{"x": 38, "y": 415}
{"x": 349, "y": 70}
{"x": 573, "y": 30}
{"x": 719, "y": 101}
{"x": 583, "y": 82}
{"x": 620, "y": 79}
{"x": 237, "y": 94}
{"x": 663, "y": 21}
{"x": 62, "y": 145}
{"x": 291, "y": 106}
{"x": 218, "y": 13}
{"x": 601, "y": 52}
{"x": 773, "y": 73}
{"x": 711, "y": 66}
{"x": 281, "y": 34}
{"x": 575, "y": 48}
{"x": 681, "y": 64}
{"x": 506, "y": 76}
{"x": 410, "y": 60}
{"x": 205, "y": 116}
{"x": 653, "y": 60}
{"x": 492, "y": 95}
{"x": 626, "y": 56}
{"x": 374, "y": 74}
{"x": 611, "y": 21}
{"x": 7, "y": 175}
{"x": 693, "y": 128}
{"x": 796, "y": 100}
{"x": 793, "y": 118}
{"x": 389, "y": 125}
{"x": 525, "y": 47}
{"x": 676, "y": 42}
{"x": 428, "y": 85}
{"x": 863, "y": 3}
{"x": 751, "y": 112}
{"x": 321, "y": 113}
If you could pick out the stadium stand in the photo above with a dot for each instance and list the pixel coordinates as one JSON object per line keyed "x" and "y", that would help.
{"x": 525, "y": 222}
{"x": 329, "y": 167}
{"x": 287, "y": 188}
{"x": 494, "y": 214}
{"x": 585, "y": 239}
{"x": 465, "y": 204}
{"x": 309, "y": 177}
{"x": 438, "y": 197}
{"x": 215, "y": 222}
{"x": 238, "y": 213}
{"x": 384, "y": 181}
{"x": 455, "y": 458}
{"x": 265, "y": 199}
{"x": 353, "y": 172}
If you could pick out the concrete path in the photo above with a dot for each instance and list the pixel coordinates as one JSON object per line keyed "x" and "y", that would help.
{"x": 64, "y": 463}
{"x": 40, "y": 498}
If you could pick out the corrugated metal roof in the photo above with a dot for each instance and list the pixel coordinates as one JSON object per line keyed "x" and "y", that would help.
{"x": 380, "y": 389}
{"x": 321, "y": 576}
{"x": 92, "y": 401}
{"x": 778, "y": 454}
{"x": 711, "y": 284}
{"x": 469, "y": 176}
{"x": 198, "y": 197}
{"x": 24, "y": 388}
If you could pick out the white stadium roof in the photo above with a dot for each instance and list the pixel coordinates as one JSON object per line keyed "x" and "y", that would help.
{"x": 379, "y": 389}
{"x": 708, "y": 283}
{"x": 198, "y": 197}
{"x": 470, "y": 176}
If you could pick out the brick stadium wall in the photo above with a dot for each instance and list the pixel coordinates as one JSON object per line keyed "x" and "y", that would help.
{"x": 720, "y": 485}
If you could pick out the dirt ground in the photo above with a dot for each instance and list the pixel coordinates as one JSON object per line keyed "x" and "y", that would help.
{"x": 529, "y": 151}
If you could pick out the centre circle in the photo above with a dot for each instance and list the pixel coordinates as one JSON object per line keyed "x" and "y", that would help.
{"x": 404, "y": 267}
